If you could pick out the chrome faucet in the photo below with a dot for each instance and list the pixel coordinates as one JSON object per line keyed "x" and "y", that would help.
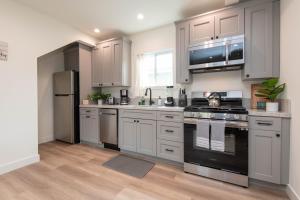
{"x": 146, "y": 93}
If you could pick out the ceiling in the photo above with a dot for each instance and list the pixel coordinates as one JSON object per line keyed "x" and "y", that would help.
{"x": 115, "y": 17}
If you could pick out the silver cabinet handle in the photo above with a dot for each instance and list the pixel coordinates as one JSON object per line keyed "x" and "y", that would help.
{"x": 169, "y": 150}
{"x": 169, "y": 131}
{"x": 170, "y": 117}
{"x": 264, "y": 123}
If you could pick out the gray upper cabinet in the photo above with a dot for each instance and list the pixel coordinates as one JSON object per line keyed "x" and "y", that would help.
{"x": 111, "y": 63}
{"x": 262, "y": 41}
{"x": 71, "y": 58}
{"x": 182, "y": 43}
{"x": 146, "y": 137}
{"x": 229, "y": 23}
{"x": 202, "y": 29}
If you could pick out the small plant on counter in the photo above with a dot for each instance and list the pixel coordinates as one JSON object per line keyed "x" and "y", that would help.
{"x": 270, "y": 90}
{"x": 99, "y": 97}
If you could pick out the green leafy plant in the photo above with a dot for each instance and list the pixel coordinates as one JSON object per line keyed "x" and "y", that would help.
{"x": 270, "y": 89}
{"x": 98, "y": 95}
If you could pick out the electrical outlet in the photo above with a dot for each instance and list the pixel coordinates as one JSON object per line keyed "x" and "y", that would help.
{"x": 3, "y": 51}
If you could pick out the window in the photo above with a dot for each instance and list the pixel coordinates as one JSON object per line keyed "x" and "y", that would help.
{"x": 156, "y": 69}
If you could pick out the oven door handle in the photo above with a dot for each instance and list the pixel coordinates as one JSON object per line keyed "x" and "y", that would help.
{"x": 231, "y": 124}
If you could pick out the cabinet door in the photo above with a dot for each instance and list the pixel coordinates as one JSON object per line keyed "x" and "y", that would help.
{"x": 128, "y": 134}
{"x": 106, "y": 64}
{"x": 117, "y": 58}
{"x": 182, "y": 42}
{"x": 71, "y": 59}
{"x": 96, "y": 67}
{"x": 202, "y": 29}
{"x": 229, "y": 23}
{"x": 89, "y": 129}
{"x": 265, "y": 155}
{"x": 259, "y": 42}
{"x": 146, "y": 137}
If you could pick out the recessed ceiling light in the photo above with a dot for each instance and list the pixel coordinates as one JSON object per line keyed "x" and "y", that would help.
{"x": 140, "y": 16}
{"x": 97, "y": 30}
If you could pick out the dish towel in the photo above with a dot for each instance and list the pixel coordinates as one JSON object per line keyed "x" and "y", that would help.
{"x": 202, "y": 135}
{"x": 217, "y": 135}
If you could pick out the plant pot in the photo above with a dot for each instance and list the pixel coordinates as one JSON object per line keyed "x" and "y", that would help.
{"x": 272, "y": 107}
{"x": 100, "y": 102}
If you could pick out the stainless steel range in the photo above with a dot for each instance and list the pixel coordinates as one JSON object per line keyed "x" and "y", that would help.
{"x": 216, "y": 138}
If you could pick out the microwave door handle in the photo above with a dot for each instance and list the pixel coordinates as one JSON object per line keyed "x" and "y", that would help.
{"x": 227, "y": 53}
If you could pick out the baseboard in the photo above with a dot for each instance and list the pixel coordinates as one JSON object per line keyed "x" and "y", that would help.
{"x": 18, "y": 164}
{"x": 292, "y": 193}
{"x": 46, "y": 139}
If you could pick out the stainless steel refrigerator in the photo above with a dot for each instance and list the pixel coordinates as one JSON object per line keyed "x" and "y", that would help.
{"x": 66, "y": 106}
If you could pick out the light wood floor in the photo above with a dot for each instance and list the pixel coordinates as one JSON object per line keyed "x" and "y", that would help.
{"x": 71, "y": 172}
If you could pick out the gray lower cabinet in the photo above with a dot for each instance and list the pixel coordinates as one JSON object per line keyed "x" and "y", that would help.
{"x": 170, "y": 150}
{"x": 269, "y": 149}
{"x": 182, "y": 43}
{"x": 89, "y": 127}
{"x": 265, "y": 155}
{"x": 262, "y": 41}
{"x": 138, "y": 135}
{"x": 154, "y": 133}
{"x": 146, "y": 137}
{"x": 128, "y": 134}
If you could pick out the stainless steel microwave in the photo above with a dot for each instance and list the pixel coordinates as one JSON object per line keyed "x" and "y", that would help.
{"x": 217, "y": 54}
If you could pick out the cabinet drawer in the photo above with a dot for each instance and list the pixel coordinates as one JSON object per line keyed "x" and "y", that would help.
{"x": 170, "y": 150}
{"x": 138, "y": 114}
{"x": 89, "y": 111}
{"x": 265, "y": 123}
{"x": 170, "y": 116}
{"x": 171, "y": 131}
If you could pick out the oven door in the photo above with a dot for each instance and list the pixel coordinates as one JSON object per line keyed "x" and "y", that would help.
{"x": 235, "y": 157}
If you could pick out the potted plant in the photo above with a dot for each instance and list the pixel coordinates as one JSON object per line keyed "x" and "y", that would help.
{"x": 99, "y": 97}
{"x": 270, "y": 90}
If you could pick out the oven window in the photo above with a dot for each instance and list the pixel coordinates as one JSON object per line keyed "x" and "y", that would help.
{"x": 234, "y": 158}
{"x": 236, "y": 51}
{"x": 208, "y": 55}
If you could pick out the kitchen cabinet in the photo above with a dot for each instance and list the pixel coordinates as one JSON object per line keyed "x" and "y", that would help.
{"x": 138, "y": 135}
{"x": 269, "y": 149}
{"x": 221, "y": 24}
{"x": 71, "y": 58}
{"x": 146, "y": 137}
{"x": 229, "y": 23}
{"x": 202, "y": 29}
{"x": 182, "y": 42}
{"x": 128, "y": 134}
{"x": 111, "y": 63}
{"x": 265, "y": 155}
{"x": 89, "y": 126}
{"x": 262, "y": 29}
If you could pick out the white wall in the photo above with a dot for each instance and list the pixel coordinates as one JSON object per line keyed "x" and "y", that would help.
{"x": 47, "y": 66}
{"x": 29, "y": 35}
{"x": 290, "y": 70}
{"x": 165, "y": 38}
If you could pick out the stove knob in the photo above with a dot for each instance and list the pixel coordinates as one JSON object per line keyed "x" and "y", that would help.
{"x": 236, "y": 117}
{"x": 212, "y": 115}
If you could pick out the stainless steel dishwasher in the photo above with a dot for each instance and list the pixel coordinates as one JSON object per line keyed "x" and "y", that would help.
{"x": 109, "y": 126}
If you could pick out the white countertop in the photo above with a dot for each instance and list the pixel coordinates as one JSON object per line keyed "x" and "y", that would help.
{"x": 136, "y": 107}
{"x": 263, "y": 113}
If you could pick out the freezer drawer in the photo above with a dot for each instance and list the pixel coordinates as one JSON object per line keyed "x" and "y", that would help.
{"x": 64, "y": 118}
{"x": 108, "y": 126}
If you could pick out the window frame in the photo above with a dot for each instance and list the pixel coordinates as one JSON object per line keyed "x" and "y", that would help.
{"x": 155, "y": 53}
